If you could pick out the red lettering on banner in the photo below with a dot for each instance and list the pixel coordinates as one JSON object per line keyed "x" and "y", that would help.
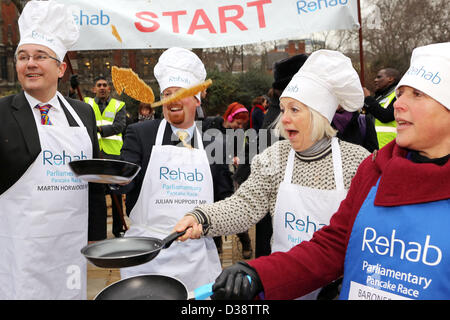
{"x": 201, "y": 20}
{"x": 143, "y": 15}
{"x": 259, "y": 7}
{"x": 207, "y": 23}
{"x": 234, "y": 19}
{"x": 174, "y": 15}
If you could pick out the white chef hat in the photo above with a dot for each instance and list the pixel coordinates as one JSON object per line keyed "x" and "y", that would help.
{"x": 49, "y": 24}
{"x": 327, "y": 79}
{"x": 429, "y": 72}
{"x": 179, "y": 67}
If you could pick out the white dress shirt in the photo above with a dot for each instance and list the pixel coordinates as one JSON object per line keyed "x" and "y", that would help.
{"x": 190, "y": 131}
{"x": 55, "y": 114}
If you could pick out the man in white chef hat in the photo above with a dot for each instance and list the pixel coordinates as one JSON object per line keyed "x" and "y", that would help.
{"x": 44, "y": 209}
{"x": 175, "y": 177}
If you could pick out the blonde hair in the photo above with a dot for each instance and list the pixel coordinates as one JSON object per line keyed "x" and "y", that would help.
{"x": 320, "y": 127}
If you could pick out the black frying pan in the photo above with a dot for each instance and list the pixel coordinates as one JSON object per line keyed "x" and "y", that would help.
{"x": 145, "y": 287}
{"x": 104, "y": 170}
{"x": 127, "y": 251}
{"x": 152, "y": 287}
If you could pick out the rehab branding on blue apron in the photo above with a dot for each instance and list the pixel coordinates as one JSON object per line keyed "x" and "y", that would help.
{"x": 398, "y": 252}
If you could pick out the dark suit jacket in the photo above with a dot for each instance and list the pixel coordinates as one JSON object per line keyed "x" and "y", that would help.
{"x": 137, "y": 148}
{"x": 19, "y": 138}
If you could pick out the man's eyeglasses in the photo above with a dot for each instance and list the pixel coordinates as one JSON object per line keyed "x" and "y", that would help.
{"x": 38, "y": 57}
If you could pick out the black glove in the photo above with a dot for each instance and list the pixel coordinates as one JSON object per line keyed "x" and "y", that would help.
{"x": 74, "y": 81}
{"x": 233, "y": 283}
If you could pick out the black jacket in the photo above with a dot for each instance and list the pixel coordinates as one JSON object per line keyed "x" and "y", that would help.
{"x": 234, "y": 139}
{"x": 384, "y": 114}
{"x": 137, "y": 148}
{"x": 19, "y": 138}
{"x": 360, "y": 130}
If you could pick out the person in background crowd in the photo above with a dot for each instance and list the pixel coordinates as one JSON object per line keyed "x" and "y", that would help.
{"x": 381, "y": 105}
{"x": 43, "y": 207}
{"x": 145, "y": 112}
{"x": 356, "y": 127}
{"x": 283, "y": 71}
{"x": 235, "y": 118}
{"x": 302, "y": 180}
{"x": 74, "y": 83}
{"x": 110, "y": 115}
{"x": 157, "y": 198}
{"x": 111, "y": 122}
{"x": 392, "y": 228}
{"x": 259, "y": 107}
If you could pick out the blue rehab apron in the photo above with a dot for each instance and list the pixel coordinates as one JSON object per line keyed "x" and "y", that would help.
{"x": 398, "y": 252}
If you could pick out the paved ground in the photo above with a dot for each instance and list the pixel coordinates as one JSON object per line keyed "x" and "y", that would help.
{"x": 99, "y": 278}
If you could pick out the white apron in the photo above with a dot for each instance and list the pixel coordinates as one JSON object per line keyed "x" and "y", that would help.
{"x": 44, "y": 220}
{"x": 300, "y": 211}
{"x": 177, "y": 180}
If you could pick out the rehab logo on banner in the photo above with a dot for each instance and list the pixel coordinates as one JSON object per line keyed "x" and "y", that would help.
{"x": 313, "y": 5}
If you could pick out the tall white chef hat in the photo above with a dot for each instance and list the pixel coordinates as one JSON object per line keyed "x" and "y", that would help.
{"x": 326, "y": 80}
{"x": 49, "y": 24}
{"x": 429, "y": 72}
{"x": 179, "y": 67}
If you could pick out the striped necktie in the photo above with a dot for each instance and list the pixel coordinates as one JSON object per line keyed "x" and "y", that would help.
{"x": 182, "y": 135}
{"x": 44, "y": 114}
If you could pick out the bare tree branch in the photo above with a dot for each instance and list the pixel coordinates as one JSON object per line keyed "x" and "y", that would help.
{"x": 404, "y": 25}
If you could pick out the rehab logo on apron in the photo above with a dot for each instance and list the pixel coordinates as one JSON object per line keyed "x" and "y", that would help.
{"x": 59, "y": 176}
{"x": 177, "y": 182}
{"x": 300, "y": 211}
{"x": 398, "y": 252}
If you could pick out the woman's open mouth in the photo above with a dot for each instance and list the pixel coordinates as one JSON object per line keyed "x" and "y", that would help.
{"x": 292, "y": 133}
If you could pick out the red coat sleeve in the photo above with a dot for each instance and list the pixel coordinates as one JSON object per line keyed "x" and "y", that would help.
{"x": 315, "y": 263}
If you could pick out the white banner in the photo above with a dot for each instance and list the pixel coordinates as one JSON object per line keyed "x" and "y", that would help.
{"x": 141, "y": 24}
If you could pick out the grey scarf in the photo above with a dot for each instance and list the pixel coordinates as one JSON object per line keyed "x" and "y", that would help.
{"x": 316, "y": 149}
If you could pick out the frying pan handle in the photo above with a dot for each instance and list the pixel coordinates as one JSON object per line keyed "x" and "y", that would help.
{"x": 167, "y": 241}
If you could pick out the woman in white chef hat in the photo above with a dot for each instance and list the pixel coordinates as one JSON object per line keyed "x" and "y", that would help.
{"x": 301, "y": 180}
{"x": 389, "y": 237}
